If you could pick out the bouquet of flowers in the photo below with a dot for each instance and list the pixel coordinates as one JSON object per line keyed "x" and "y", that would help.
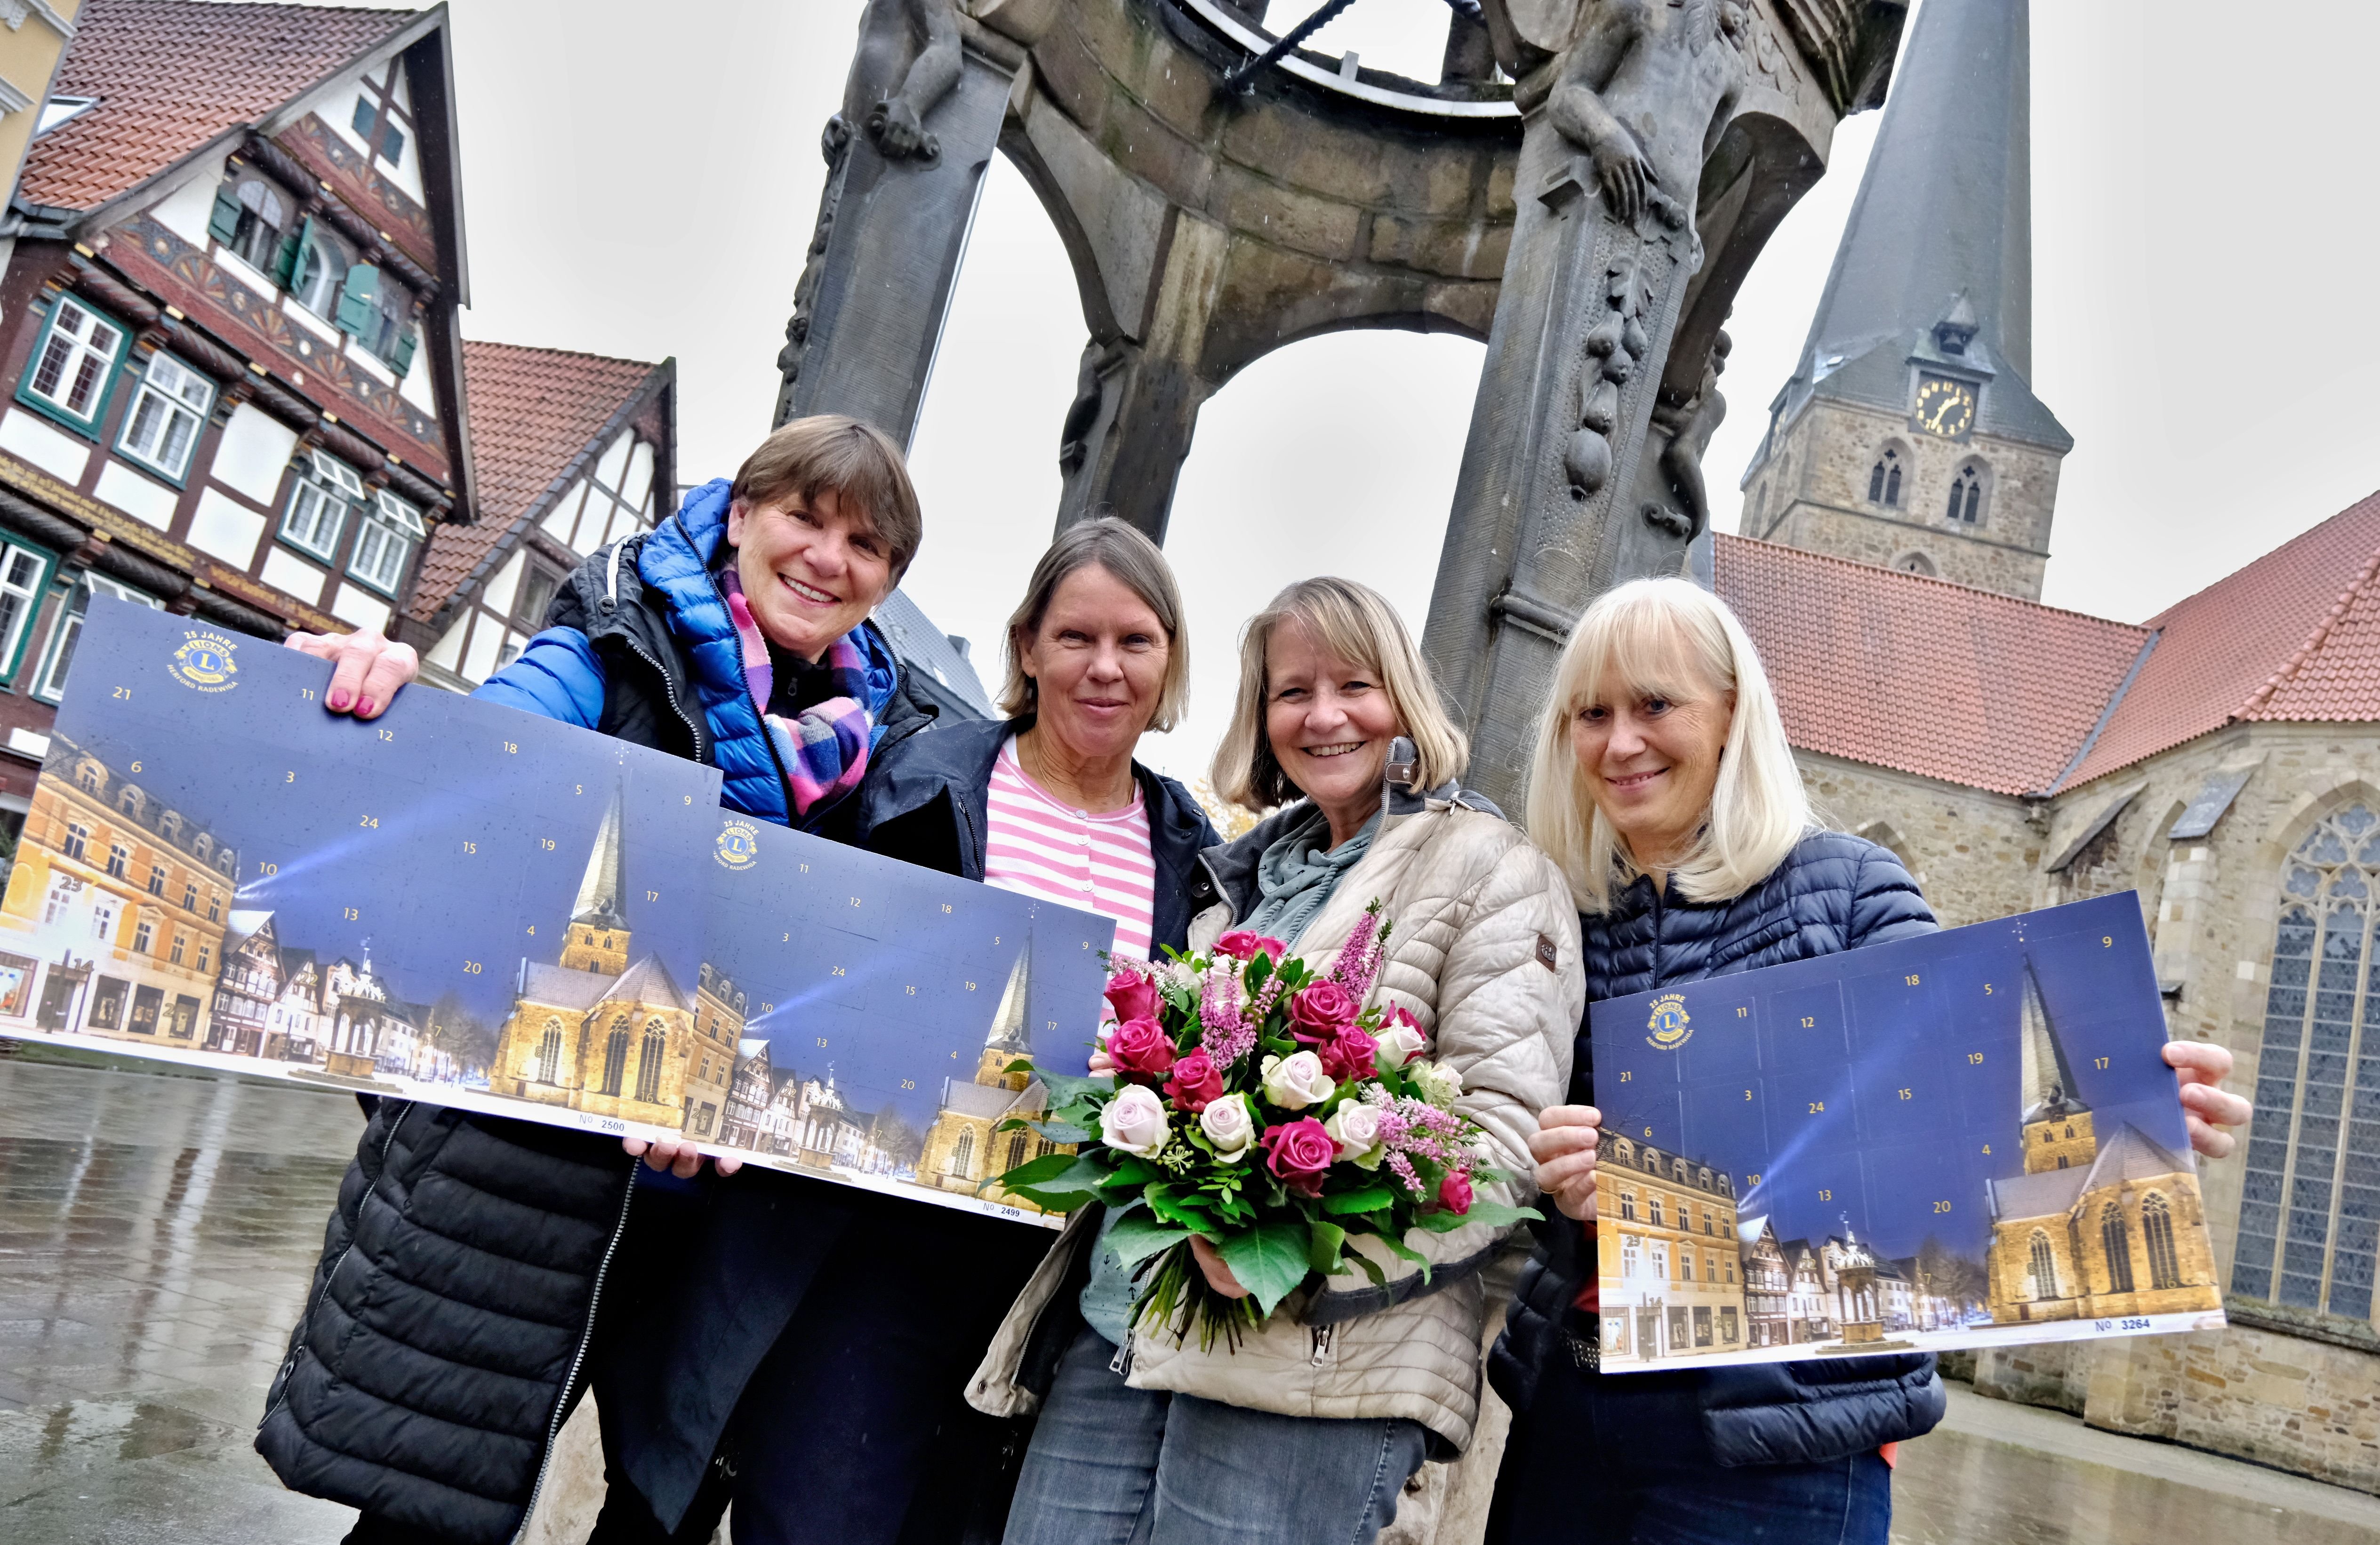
{"x": 1263, "y": 1108}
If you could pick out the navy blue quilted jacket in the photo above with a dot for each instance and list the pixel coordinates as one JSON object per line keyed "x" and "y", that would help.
{"x": 1833, "y": 891}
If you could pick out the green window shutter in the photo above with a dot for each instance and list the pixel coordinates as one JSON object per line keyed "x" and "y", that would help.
{"x": 223, "y": 224}
{"x": 359, "y": 300}
{"x": 405, "y": 345}
{"x": 285, "y": 264}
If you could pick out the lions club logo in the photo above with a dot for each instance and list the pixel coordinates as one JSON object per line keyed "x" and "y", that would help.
{"x": 1670, "y": 1024}
{"x": 203, "y": 662}
{"x": 739, "y": 845}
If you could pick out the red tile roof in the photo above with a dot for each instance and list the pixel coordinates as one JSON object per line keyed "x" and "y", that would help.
{"x": 1920, "y": 674}
{"x": 171, "y": 74}
{"x": 2294, "y": 636}
{"x": 534, "y": 413}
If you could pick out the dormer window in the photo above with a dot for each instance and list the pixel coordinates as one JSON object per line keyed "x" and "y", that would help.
{"x": 253, "y": 219}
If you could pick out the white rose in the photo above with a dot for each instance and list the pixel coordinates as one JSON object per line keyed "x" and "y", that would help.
{"x": 1296, "y": 1081}
{"x": 1397, "y": 1045}
{"x": 1439, "y": 1083}
{"x": 1355, "y": 1127}
{"x": 1229, "y": 1125}
{"x": 1134, "y": 1122}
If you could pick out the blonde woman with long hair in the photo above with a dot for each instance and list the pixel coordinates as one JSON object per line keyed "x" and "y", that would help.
{"x": 1665, "y": 789}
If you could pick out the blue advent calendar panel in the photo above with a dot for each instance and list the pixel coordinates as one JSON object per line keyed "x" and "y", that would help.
{"x": 465, "y": 904}
{"x": 1965, "y": 1139}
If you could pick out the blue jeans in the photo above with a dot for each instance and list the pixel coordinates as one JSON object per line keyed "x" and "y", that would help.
{"x": 1610, "y": 1460}
{"x": 1111, "y": 1464}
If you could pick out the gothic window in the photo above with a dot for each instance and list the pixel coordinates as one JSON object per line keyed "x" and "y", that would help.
{"x": 2309, "y": 1203}
{"x": 549, "y": 1053}
{"x": 1884, "y": 479}
{"x": 649, "y": 1062}
{"x": 1016, "y": 1151}
{"x": 615, "y": 1058}
{"x": 1915, "y": 563}
{"x": 2156, "y": 1232}
{"x": 2044, "y": 1267}
{"x": 1966, "y": 508}
{"x": 962, "y": 1163}
{"x": 2115, "y": 1242}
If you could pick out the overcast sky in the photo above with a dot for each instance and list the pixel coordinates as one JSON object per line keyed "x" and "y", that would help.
{"x": 2201, "y": 302}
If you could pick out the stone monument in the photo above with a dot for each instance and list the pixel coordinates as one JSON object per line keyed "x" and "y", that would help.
{"x": 1583, "y": 187}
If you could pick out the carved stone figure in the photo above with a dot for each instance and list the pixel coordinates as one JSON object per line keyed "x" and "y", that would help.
{"x": 907, "y": 62}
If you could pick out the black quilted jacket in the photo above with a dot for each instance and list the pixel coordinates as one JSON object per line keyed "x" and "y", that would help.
{"x": 1832, "y": 893}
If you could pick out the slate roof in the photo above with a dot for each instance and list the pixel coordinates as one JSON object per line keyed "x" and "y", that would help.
{"x": 2294, "y": 636}
{"x": 2131, "y": 1154}
{"x": 536, "y": 415}
{"x": 937, "y": 668}
{"x": 647, "y": 981}
{"x": 574, "y": 990}
{"x": 1902, "y": 671}
{"x": 171, "y": 74}
{"x": 983, "y": 1100}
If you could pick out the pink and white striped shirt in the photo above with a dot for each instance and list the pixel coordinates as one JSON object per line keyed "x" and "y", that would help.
{"x": 1040, "y": 846}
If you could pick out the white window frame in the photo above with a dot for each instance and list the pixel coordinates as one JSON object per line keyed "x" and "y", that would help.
{"x": 51, "y": 684}
{"x": 24, "y": 593}
{"x": 385, "y": 547}
{"x": 331, "y": 483}
{"x": 177, "y": 394}
{"x": 74, "y": 334}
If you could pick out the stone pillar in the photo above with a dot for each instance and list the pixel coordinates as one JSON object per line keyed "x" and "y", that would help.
{"x": 892, "y": 222}
{"x": 1136, "y": 402}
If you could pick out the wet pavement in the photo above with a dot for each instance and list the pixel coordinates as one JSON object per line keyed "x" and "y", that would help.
{"x": 157, "y": 1234}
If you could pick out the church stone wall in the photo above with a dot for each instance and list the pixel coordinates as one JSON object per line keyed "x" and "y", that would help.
{"x": 1811, "y": 492}
{"x": 1974, "y": 853}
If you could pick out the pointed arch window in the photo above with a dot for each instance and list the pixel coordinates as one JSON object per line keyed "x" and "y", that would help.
{"x": 2156, "y": 1232}
{"x": 1884, "y": 479}
{"x": 2310, "y": 1202}
{"x": 1016, "y": 1151}
{"x": 615, "y": 1058}
{"x": 649, "y": 1062}
{"x": 2115, "y": 1242}
{"x": 962, "y": 1163}
{"x": 2044, "y": 1267}
{"x": 1966, "y": 506}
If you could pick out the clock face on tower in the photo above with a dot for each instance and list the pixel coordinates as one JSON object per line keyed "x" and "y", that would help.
{"x": 1945, "y": 407}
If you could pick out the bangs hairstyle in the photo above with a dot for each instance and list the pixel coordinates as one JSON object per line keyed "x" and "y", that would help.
{"x": 1137, "y": 564}
{"x": 857, "y": 460}
{"x": 1669, "y": 639}
{"x": 1355, "y": 623}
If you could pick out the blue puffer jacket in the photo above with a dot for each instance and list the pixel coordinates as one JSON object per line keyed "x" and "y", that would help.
{"x": 651, "y": 602}
{"x": 1832, "y": 893}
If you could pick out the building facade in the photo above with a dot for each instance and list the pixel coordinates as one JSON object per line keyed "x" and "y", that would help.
{"x": 1669, "y": 1236}
{"x": 965, "y": 1147}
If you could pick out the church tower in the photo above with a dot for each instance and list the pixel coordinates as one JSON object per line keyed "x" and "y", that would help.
{"x": 1007, "y": 1041}
{"x": 598, "y": 937}
{"x": 1909, "y": 436}
{"x": 2057, "y": 1125}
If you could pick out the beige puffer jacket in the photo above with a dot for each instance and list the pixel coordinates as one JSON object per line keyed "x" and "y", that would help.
{"x": 1484, "y": 952}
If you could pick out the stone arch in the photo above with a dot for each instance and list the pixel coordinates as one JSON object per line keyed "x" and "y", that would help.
{"x": 1968, "y": 505}
{"x": 1891, "y": 475}
{"x": 1884, "y": 836}
{"x": 1914, "y": 562}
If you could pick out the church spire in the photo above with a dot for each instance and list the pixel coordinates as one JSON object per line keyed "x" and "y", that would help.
{"x": 2045, "y": 1083}
{"x": 1008, "y": 1039}
{"x": 1944, "y": 209}
{"x": 598, "y": 893}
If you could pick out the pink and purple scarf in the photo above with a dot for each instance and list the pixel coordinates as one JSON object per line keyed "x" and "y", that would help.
{"x": 825, "y": 747}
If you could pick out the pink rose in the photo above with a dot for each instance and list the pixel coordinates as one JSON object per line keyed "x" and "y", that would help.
{"x": 1243, "y": 943}
{"x": 1132, "y": 995}
{"x": 1347, "y": 1055}
{"x": 1324, "y": 1006}
{"x": 1197, "y": 1082}
{"x": 1455, "y": 1192}
{"x": 1141, "y": 1046}
{"x": 1298, "y": 1153}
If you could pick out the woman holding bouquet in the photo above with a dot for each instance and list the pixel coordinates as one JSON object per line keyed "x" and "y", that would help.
{"x": 1665, "y": 787}
{"x": 1305, "y": 1424}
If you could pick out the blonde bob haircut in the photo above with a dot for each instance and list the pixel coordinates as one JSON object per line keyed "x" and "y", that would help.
{"x": 1136, "y": 563}
{"x": 1355, "y": 623}
{"x": 1669, "y": 639}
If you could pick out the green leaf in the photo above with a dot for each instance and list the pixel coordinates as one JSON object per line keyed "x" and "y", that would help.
{"x": 1064, "y": 1087}
{"x": 1493, "y": 1213}
{"x": 1137, "y": 1236}
{"x": 1269, "y": 1261}
{"x": 1322, "y": 1246}
{"x": 1370, "y": 1198}
{"x": 1400, "y": 1248}
{"x": 1049, "y": 1167}
{"x": 1134, "y": 1170}
{"x": 1371, "y": 1268}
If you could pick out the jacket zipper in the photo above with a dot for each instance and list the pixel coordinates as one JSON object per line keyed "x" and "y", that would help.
{"x": 669, "y": 688}
{"x": 291, "y": 1361}
{"x": 578, "y": 1358}
{"x": 1656, "y": 938}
